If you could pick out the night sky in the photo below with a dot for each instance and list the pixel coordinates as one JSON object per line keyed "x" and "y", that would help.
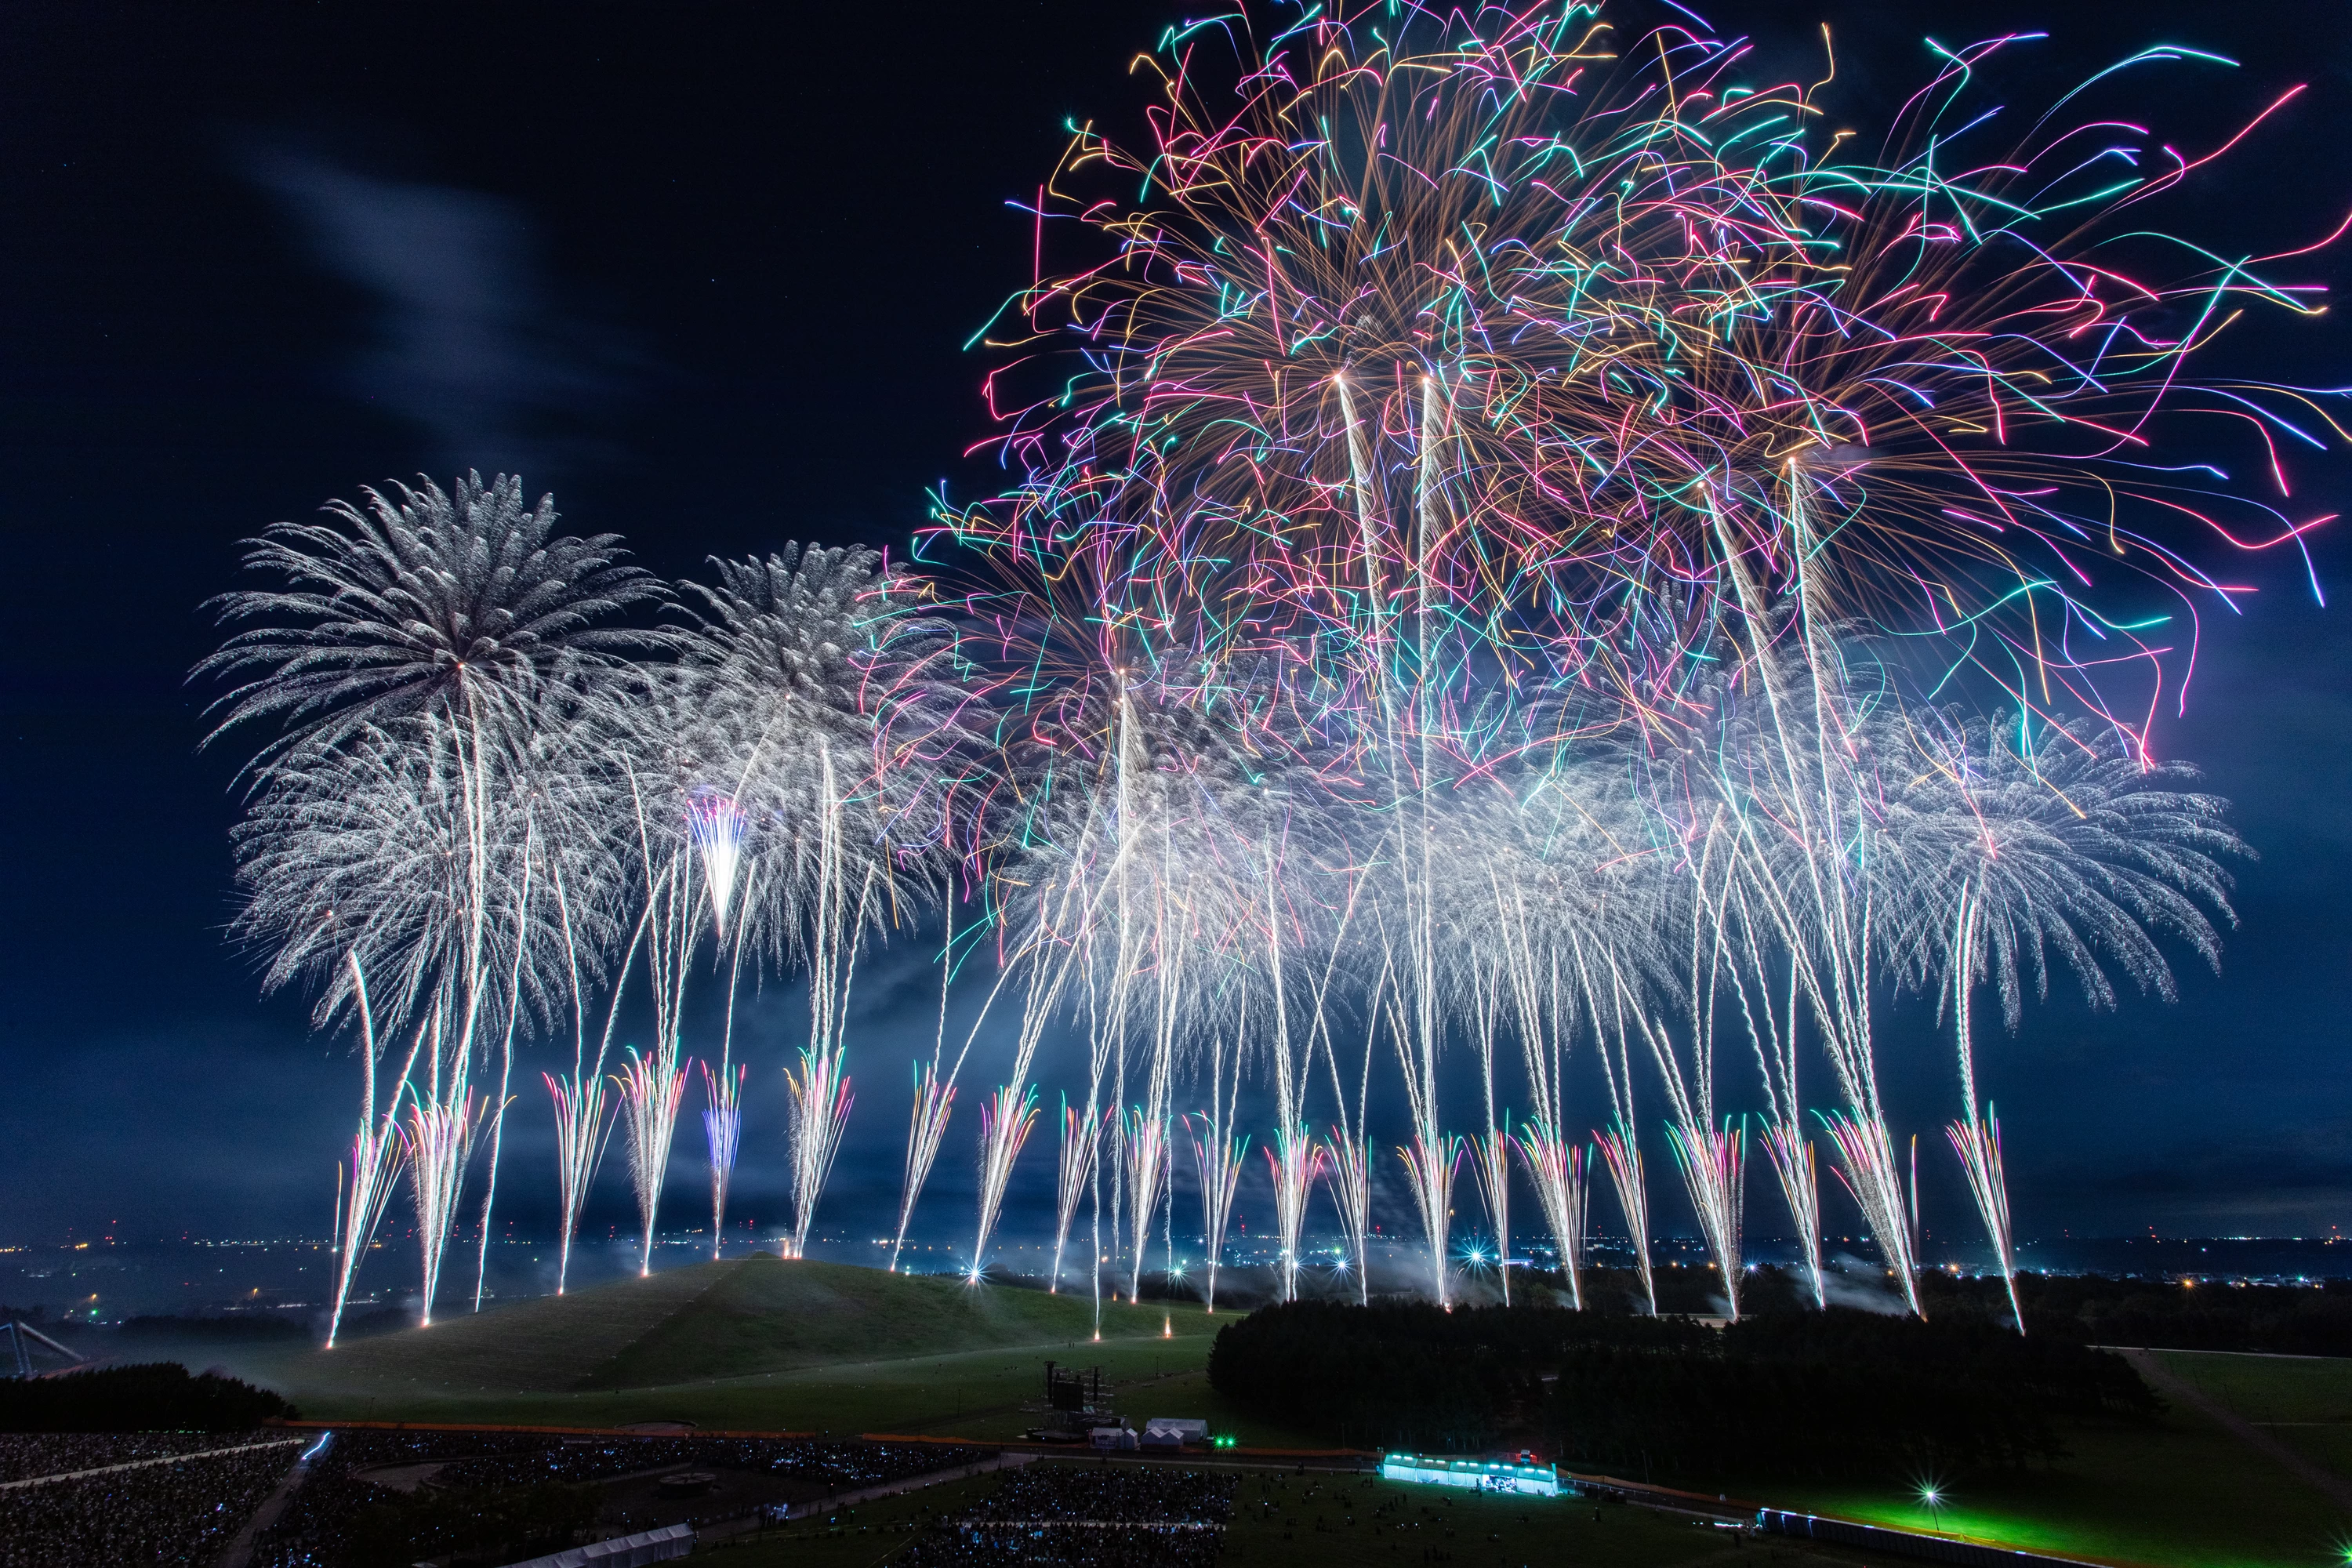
{"x": 704, "y": 272}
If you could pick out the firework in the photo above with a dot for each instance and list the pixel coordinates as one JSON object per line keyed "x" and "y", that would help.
{"x": 1006, "y": 1119}
{"x": 1081, "y": 1142}
{"x": 1218, "y": 1156}
{"x": 580, "y": 1132}
{"x": 435, "y": 1142}
{"x": 1712, "y": 1164}
{"x": 1556, "y": 1167}
{"x": 650, "y": 1088}
{"x": 927, "y": 1126}
{"x": 842, "y": 733}
{"x": 1623, "y": 1155}
{"x": 1148, "y": 1152}
{"x": 722, "y": 1129}
{"x": 2017, "y": 848}
{"x": 376, "y": 1155}
{"x": 1485, "y": 491}
{"x": 1490, "y": 1152}
{"x": 414, "y": 646}
{"x": 821, "y": 1102}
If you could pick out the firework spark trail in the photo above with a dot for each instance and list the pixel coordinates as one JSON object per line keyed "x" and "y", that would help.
{"x": 821, "y": 1099}
{"x": 836, "y": 726}
{"x": 1432, "y": 1158}
{"x": 1349, "y": 1145}
{"x": 1866, "y": 1168}
{"x": 1431, "y": 1163}
{"x": 1082, "y": 1131}
{"x": 376, "y": 1157}
{"x": 1049, "y": 967}
{"x": 821, "y": 1102}
{"x": 722, "y": 1091}
{"x": 2000, "y": 849}
{"x": 580, "y": 1134}
{"x": 503, "y": 1099}
{"x": 1490, "y": 1152}
{"x": 1709, "y": 1160}
{"x": 1775, "y": 1046}
{"x": 1489, "y": 1158}
{"x": 1555, "y": 1165}
{"x": 1218, "y": 1155}
{"x": 1556, "y": 1170}
{"x": 1620, "y": 1146}
{"x": 926, "y": 1125}
{"x": 926, "y": 1122}
{"x": 1219, "y": 1152}
{"x": 435, "y": 1142}
{"x": 1148, "y": 1149}
{"x": 1295, "y": 1163}
{"x": 1465, "y": 439}
{"x": 1791, "y": 1153}
{"x": 1006, "y": 1119}
{"x": 1352, "y": 1195}
{"x": 1714, "y": 1165}
{"x": 1292, "y": 1154}
{"x": 722, "y": 1133}
{"x": 1977, "y": 1144}
{"x": 1624, "y": 1157}
{"x": 715, "y": 826}
{"x": 651, "y": 1086}
{"x": 581, "y": 1130}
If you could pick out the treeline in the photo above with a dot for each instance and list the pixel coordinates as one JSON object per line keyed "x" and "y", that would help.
{"x": 159, "y": 1396}
{"x": 1833, "y": 1394}
{"x": 2164, "y": 1314}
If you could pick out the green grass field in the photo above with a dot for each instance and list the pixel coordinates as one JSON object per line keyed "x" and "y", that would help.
{"x": 760, "y": 1345}
{"x": 2269, "y": 1388}
{"x": 1314, "y": 1522}
{"x": 711, "y": 1321}
{"x": 2185, "y": 1492}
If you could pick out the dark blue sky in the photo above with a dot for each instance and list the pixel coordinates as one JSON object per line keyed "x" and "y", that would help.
{"x": 704, "y": 273}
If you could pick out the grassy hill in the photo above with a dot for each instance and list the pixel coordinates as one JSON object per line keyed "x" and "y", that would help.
{"x": 744, "y": 1318}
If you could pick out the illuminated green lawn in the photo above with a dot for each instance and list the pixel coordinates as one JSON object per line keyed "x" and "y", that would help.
{"x": 1277, "y": 1522}
{"x": 761, "y": 1345}
{"x": 2185, "y": 1493}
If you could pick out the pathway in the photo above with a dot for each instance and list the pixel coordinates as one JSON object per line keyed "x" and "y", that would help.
{"x": 142, "y": 1464}
{"x": 240, "y": 1551}
{"x": 2172, "y": 1386}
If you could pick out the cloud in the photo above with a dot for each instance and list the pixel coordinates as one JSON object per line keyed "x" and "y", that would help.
{"x": 466, "y": 344}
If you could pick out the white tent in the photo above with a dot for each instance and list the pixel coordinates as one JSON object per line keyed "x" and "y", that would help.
{"x": 623, "y": 1551}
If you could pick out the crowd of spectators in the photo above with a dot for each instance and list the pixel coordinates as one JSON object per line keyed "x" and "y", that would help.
{"x": 835, "y": 1467}
{"x": 24, "y": 1454}
{"x": 316, "y": 1525}
{"x": 1126, "y": 1494}
{"x": 178, "y": 1513}
{"x": 323, "y": 1525}
{"x": 1001, "y": 1546}
{"x": 1049, "y": 1514}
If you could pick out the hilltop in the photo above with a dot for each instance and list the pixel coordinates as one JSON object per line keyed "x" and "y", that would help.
{"x": 743, "y": 1318}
